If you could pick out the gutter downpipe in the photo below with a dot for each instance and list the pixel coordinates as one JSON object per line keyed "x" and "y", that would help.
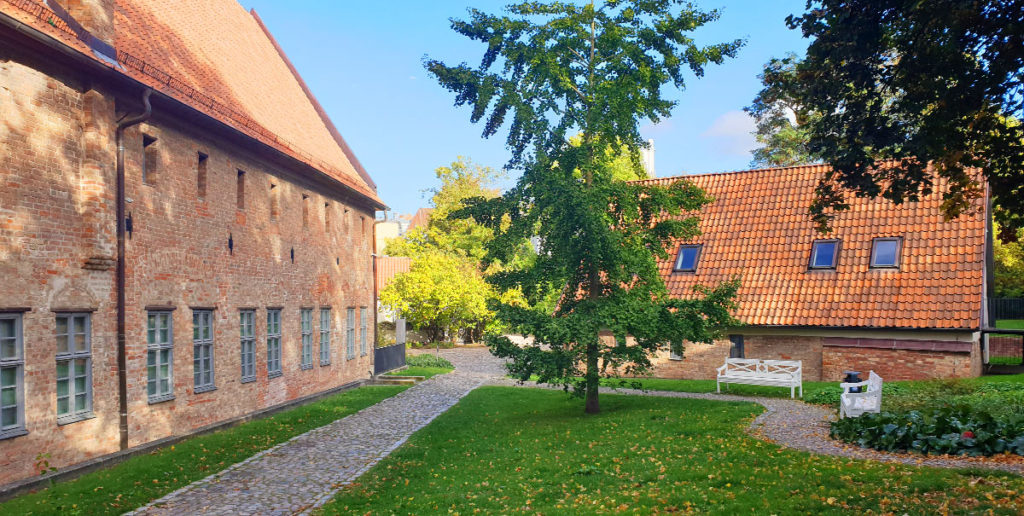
{"x": 122, "y": 333}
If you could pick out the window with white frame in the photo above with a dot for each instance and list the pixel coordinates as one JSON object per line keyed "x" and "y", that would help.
{"x": 248, "y": 343}
{"x": 362, "y": 331}
{"x": 675, "y": 350}
{"x": 12, "y": 366}
{"x": 307, "y": 338}
{"x": 159, "y": 356}
{"x": 273, "y": 343}
{"x": 350, "y": 334}
{"x": 325, "y": 336}
{"x": 202, "y": 350}
{"x": 74, "y": 367}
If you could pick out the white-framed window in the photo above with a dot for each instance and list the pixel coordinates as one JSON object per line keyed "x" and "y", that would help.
{"x": 325, "y": 336}
{"x": 675, "y": 350}
{"x": 350, "y": 334}
{"x": 307, "y": 338}
{"x": 159, "y": 356}
{"x": 74, "y": 367}
{"x": 248, "y": 345}
{"x": 202, "y": 350}
{"x": 12, "y": 374}
{"x": 273, "y": 343}
{"x": 362, "y": 331}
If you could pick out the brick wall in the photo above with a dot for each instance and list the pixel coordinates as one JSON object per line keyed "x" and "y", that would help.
{"x": 1005, "y": 346}
{"x": 57, "y": 241}
{"x": 700, "y": 361}
{"x": 900, "y": 364}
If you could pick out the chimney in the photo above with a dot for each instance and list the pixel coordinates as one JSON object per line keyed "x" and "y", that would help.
{"x": 92, "y": 21}
{"x": 647, "y": 158}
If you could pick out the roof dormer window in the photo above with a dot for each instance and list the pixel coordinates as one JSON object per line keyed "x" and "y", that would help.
{"x": 686, "y": 260}
{"x": 824, "y": 254}
{"x": 885, "y": 252}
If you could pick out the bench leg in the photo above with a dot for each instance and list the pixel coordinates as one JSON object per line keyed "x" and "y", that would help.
{"x": 792, "y": 392}
{"x": 801, "y": 390}
{"x": 718, "y": 387}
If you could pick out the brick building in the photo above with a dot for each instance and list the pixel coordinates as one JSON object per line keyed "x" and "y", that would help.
{"x": 894, "y": 288}
{"x": 247, "y": 228}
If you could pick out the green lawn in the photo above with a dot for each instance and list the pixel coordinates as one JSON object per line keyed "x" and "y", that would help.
{"x": 141, "y": 479}
{"x": 514, "y": 450}
{"x": 1010, "y": 324}
{"x": 660, "y": 384}
{"x": 420, "y": 371}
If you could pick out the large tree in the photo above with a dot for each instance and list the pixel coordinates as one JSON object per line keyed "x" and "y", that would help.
{"x": 550, "y": 71}
{"x": 780, "y": 119}
{"x": 935, "y": 88}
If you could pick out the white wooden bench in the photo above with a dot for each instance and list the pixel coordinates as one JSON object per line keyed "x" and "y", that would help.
{"x": 852, "y": 404}
{"x": 754, "y": 371}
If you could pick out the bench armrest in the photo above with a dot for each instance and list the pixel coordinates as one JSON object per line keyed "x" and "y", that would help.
{"x": 721, "y": 369}
{"x": 846, "y": 386}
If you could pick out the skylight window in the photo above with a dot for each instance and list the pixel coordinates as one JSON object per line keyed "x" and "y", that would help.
{"x": 885, "y": 252}
{"x": 688, "y": 257}
{"x": 824, "y": 254}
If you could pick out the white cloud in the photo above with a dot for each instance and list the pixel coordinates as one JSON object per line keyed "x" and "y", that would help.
{"x": 731, "y": 134}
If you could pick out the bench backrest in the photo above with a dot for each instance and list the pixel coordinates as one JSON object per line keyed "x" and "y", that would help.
{"x": 763, "y": 368}
{"x": 874, "y": 383}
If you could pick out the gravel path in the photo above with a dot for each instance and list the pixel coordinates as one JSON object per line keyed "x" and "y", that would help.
{"x": 303, "y": 473}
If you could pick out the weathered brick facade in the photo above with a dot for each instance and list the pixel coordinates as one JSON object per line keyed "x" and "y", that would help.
{"x": 58, "y": 246}
{"x": 825, "y": 358}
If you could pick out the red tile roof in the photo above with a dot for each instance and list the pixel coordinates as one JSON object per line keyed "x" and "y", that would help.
{"x": 420, "y": 219}
{"x": 217, "y": 58}
{"x": 390, "y": 266}
{"x": 758, "y": 229}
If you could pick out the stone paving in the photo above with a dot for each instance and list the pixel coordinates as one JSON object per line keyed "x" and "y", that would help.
{"x": 303, "y": 473}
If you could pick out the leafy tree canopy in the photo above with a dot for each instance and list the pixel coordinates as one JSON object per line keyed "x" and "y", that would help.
{"x": 1009, "y": 267}
{"x": 780, "y": 118}
{"x": 552, "y": 70}
{"x": 935, "y": 87}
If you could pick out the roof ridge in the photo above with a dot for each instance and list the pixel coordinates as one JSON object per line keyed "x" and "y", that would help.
{"x": 725, "y": 172}
{"x": 328, "y": 123}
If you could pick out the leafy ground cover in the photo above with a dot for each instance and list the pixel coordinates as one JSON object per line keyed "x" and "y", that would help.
{"x": 144, "y": 478}
{"x": 503, "y": 450}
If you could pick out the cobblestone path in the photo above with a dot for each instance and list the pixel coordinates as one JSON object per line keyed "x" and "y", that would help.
{"x": 305, "y": 472}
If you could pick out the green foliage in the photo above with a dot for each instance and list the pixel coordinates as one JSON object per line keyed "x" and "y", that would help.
{"x": 428, "y": 360}
{"x": 932, "y": 88}
{"x": 780, "y": 118}
{"x": 515, "y": 450}
{"x": 556, "y": 69}
{"x": 1009, "y": 265}
{"x": 440, "y": 294}
{"x": 141, "y": 479}
{"x": 830, "y": 395}
{"x": 949, "y": 430}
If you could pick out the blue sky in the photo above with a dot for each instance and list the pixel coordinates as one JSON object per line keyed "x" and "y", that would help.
{"x": 363, "y": 61}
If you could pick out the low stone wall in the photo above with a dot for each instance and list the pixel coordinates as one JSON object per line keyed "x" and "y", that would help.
{"x": 896, "y": 360}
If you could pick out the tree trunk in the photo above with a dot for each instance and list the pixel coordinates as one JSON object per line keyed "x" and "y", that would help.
{"x": 592, "y": 405}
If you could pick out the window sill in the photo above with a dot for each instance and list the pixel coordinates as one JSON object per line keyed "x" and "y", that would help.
{"x": 205, "y": 388}
{"x": 248, "y": 379}
{"x": 306, "y": 367}
{"x": 325, "y": 364}
{"x": 161, "y": 399}
{"x": 12, "y": 433}
{"x": 67, "y": 420}
{"x": 350, "y": 357}
{"x": 275, "y": 374}
{"x": 677, "y": 359}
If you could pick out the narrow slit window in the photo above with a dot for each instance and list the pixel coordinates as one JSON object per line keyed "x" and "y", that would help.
{"x": 202, "y": 350}
{"x": 240, "y": 190}
{"x": 325, "y": 336}
{"x": 686, "y": 260}
{"x": 362, "y": 331}
{"x": 327, "y": 216}
{"x": 350, "y": 334}
{"x": 273, "y": 343}
{"x": 824, "y": 254}
{"x": 201, "y": 175}
{"x": 275, "y": 202}
{"x": 74, "y": 367}
{"x": 305, "y": 211}
{"x": 150, "y": 160}
{"x": 885, "y": 253}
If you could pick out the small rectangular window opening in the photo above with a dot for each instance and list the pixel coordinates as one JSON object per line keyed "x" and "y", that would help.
{"x": 275, "y": 202}
{"x": 240, "y": 190}
{"x": 885, "y": 252}
{"x": 150, "y": 160}
{"x": 201, "y": 174}
{"x": 327, "y": 216}
{"x": 686, "y": 260}
{"x": 736, "y": 349}
{"x": 824, "y": 254}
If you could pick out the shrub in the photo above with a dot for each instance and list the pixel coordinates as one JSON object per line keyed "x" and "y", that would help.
{"x": 830, "y": 395}
{"x": 427, "y": 360}
{"x": 962, "y": 430}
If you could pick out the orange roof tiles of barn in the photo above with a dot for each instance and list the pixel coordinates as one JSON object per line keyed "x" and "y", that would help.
{"x": 219, "y": 59}
{"x": 758, "y": 229}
